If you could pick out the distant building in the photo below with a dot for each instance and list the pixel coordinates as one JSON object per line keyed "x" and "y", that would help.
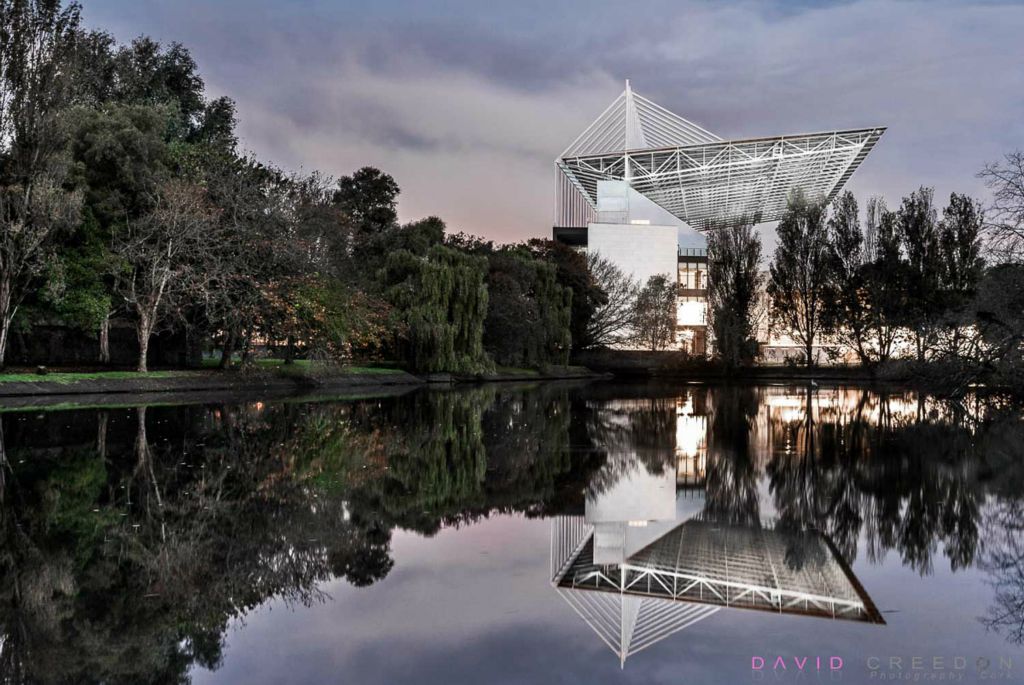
{"x": 641, "y": 185}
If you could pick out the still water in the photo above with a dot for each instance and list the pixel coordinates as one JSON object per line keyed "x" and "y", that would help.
{"x": 552, "y": 533}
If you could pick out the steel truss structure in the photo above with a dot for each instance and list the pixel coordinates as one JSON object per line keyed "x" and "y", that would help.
{"x": 695, "y": 570}
{"x": 698, "y": 177}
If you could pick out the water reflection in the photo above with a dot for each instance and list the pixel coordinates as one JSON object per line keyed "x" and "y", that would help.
{"x": 133, "y": 537}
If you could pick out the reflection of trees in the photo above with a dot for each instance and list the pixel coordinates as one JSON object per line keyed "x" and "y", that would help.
{"x": 909, "y": 486}
{"x": 1002, "y": 552}
{"x": 128, "y": 567}
{"x": 731, "y": 472}
{"x": 631, "y": 431}
{"x": 1003, "y": 560}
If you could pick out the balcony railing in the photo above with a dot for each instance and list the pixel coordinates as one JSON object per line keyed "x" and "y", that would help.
{"x": 692, "y": 292}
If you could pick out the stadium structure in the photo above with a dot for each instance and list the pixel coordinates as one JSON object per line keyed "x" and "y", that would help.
{"x": 641, "y": 185}
{"x": 646, "y": 560}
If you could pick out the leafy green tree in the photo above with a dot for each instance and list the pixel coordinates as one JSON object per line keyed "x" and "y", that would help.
{"x": 528, "y": 311}
{"x": 801, "y": 273}
{"x": 440, "y": 300}
{"x": 37, "y": 44}
{"x": 575, "y": 272}
{"x": 119, "y": 157}
{"x": 368, "y": 198}
{"x": 734, "y": 283}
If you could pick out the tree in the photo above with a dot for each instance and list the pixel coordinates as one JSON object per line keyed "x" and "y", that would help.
{"x": 162, "y": 256}
{"x": 654, "y": 313}
{"x": 961, "y": 264}
{"x": 574, "y": 271}
{"x": 734, "y": 283}
{"x": 917, "y": 228}
{"x": 847, "y": 311}
{"x": 1005, "y": 216}
{"x": 998, "y": 308}
{"x": 882, "y": 280}
{"x": 872, "y": 220}
{"x": 800, "y": 283}
{"x": 119, "y": 158}
{"x": 611, "y": 323}
{"x": 368, "y": 197}
{"x": 440, "y": 301}
{"x": 37, "y": 42}
{"x": 528, "y": 311}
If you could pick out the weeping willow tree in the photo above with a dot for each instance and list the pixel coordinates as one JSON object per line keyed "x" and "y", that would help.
{"x": 441, "y": 298}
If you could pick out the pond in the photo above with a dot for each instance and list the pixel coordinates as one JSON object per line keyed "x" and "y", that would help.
{"x": 551, "y": 532}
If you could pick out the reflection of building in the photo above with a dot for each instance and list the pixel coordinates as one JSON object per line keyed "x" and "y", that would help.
{"x": 693, "y": 570}
{"x": 691, "y": 445}
{"x": 637, "y": 182}
{"x": 645, "y": 561}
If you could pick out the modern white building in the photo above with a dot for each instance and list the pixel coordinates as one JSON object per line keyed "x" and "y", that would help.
{"x": 641, "y": 185}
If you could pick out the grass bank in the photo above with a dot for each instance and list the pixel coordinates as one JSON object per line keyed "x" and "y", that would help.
{"x": 268, "y": 375}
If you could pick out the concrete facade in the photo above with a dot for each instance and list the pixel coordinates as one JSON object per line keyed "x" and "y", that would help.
{"x": 640, "y": 251}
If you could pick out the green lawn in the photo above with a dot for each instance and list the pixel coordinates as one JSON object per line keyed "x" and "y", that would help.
{"x": 58, "y": 377}
{"x": 300, "y": 367}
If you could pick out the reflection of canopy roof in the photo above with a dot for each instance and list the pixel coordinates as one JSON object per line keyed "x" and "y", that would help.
{"x": 694, "y": 174}
{"x": 697, "y": 568}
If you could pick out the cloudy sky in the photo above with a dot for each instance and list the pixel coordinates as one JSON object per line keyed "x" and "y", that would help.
{"x": 467, "y": 103}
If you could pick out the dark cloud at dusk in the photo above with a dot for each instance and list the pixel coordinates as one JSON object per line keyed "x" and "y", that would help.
{"x": 467, "y": 104}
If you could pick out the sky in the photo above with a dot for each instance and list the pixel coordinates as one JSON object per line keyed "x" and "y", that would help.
{"x": 468, "y": 103}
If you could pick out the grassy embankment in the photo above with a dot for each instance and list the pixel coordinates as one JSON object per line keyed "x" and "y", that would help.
{"x": 300, "y": 367}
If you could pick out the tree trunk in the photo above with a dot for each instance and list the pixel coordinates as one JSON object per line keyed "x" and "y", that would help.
{"x": 5, "y": 327}
{"x": 105, "y": 340}
{"x": 6, "y": 315}
{"x": 144, "y": 329}
{"x": 228, "y": 349}
{"x": 289, "y": 351}
{"x": 810, "y": 354}
{"x": 246, "y": 349}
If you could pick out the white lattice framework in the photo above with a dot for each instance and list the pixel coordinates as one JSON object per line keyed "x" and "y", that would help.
{"x": 695, "y": 175}
{"x": 695, "y": 570}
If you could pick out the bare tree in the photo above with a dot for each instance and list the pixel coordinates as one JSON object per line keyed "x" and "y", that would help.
{"x": 654, "y": 313}
{"x": 163, "y": 257}
{"x": 612, "y": 321}
{"x": 1005, "y": 216}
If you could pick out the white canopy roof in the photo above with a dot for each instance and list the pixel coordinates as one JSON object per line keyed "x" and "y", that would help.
{"x": 697, "y": 176}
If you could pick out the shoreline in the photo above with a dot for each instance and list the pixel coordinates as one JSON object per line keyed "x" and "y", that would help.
{"x": 163, "y": 384}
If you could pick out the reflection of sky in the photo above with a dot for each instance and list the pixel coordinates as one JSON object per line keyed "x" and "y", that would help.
{"x": 474, "y": 606}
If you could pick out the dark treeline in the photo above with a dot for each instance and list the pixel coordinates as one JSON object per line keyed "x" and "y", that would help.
{"x": 125, "y": 201}
{"x": 909, "y": 284}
